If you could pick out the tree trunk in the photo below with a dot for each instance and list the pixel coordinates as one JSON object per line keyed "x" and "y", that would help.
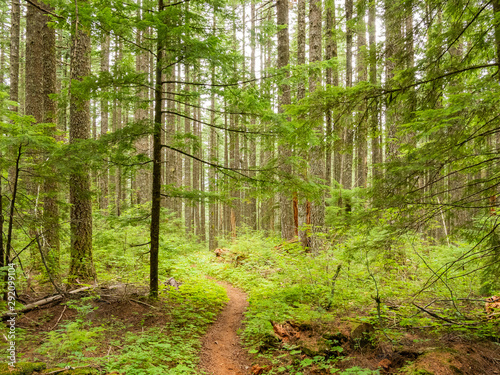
{"x": 104, "y": 178}
{"x": 317, "y": 160}
{"x": 156, "y": 185}
{"x": 188, "y": 217}
{"x": 81, "y": 266}
{"x": 284, "y": 151}
{"x": 361, "y": 131}
{"x": 374, "y": 127}
{"x": 348, "y": 131}
{"x": 51, "y": 226}
{"x": 14, "y": 52}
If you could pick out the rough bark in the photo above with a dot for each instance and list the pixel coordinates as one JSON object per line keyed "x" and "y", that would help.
{"x": 50, "y": 236}
{"x": 284, "y": 150}
{"x": 361, "y": 123}
{"x": 81, "y": 263}
{"x": 374, "y": 126}
{"x": 14, "y": 51}
{"x": 104, "y": 177}
{"x": 213, "y": 211}
{"x": 317, "y": 156}
{"x": 348, "y": 131}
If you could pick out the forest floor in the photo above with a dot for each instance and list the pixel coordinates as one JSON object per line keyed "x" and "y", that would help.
{"x": 124, "y": 312}
{"x": 222, "y": 352}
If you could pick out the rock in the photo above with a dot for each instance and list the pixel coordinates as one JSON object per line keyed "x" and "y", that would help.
{"x": 173, "y": 283}
{"x": 313, "y": 348}
{"x": 363, "y": 336}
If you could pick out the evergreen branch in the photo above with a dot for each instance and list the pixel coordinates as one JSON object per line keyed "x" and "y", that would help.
{"x": 215, "y": 126}
{"x": 423, "y": 82}
{"x": 221, "y": 84}
{"x": 43, "y": 9}
{"x": 218, "y": 166}
{"x": 460, "y": 34}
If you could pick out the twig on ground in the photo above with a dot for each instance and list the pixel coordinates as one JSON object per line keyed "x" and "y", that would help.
{"x": 60, "y": 317}
{"x": 143, "y": 303}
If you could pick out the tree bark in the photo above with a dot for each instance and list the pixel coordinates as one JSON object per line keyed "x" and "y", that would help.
{"x": 361, "y": 131}
{"x": 51, "y": 226}
{"x": 104, "y": 177}
{"x": 317, "y": 160}
{"x": 284, "y": 151}
{"x": 81, "y": 263}
{"x": 156, "y": 185}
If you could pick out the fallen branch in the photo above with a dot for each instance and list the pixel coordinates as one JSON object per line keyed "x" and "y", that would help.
{"x": 44, "y": 301}
{"x": 437, "y": 316}
{"x": 143, "y": 303}
{"x": 58, "y": 320}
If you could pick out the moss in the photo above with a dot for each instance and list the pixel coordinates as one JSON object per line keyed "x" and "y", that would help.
{"x": 22, "y": 368}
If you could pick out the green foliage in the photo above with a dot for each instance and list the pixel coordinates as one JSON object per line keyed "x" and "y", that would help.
{"x": 71, "y": 342}
{"x": 173, "y": 348}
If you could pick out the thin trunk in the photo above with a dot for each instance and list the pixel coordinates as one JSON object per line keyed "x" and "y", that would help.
{"x": 213, "y": 211}
{"x": 374, "y": 127}
{"x": 252, "y": 213}
{"x": 188, "y": 217}
{"x": 14, "y": 52}
{"x": 156, "y": 185}
{"x": 361, "y": 131}
{"x": 348, "y": 131}
{"x": 104, "y": 178}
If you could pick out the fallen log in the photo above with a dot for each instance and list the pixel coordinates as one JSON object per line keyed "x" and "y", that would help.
{"x": 42, "y": 302}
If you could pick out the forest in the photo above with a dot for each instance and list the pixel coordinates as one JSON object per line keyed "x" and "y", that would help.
{"x": 250, "y": 187}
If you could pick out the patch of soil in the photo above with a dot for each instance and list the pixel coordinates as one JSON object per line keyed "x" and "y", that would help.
{"x": 222, "y": 353}
{"x": 124, "y": 308}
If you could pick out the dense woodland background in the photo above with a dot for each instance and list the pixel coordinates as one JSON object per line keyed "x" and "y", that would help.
{"x": 310, "y": 120}
{"x": 337, "y": 161}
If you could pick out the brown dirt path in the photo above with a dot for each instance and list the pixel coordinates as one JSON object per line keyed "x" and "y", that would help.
{"x": 222, "y": 353}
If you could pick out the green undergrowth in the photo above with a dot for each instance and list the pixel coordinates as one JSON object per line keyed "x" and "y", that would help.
{"x": 170, "y": 347}
{"x": 174, "y": 347}
{"x": 361, "y": 275}
{"x": 345, "y": 282}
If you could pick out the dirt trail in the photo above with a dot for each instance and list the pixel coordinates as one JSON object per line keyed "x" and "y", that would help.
{"x": 222, "y": 353}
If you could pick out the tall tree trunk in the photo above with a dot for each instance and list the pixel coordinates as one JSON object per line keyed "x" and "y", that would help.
{"x": 156, "y": 185}
{"x": 188, "y": 217}
{"x": 118, "y": 126}
{"x": 284, "y": 151}
{"x": 14, "y": 52}
{"x": 374, "y": 126}
{"x": 349, "y": 131}
{"x": 104, "y": 178}
{"x": 143, "y": 176}
{"x": 317, "y": 160}
{"x": 81, "y": 266}
{"x": 51, "y": 245}
{"x": 213, "y": 211}
{"x": 361, "y": 130}
{"x": 252, "y": 213}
